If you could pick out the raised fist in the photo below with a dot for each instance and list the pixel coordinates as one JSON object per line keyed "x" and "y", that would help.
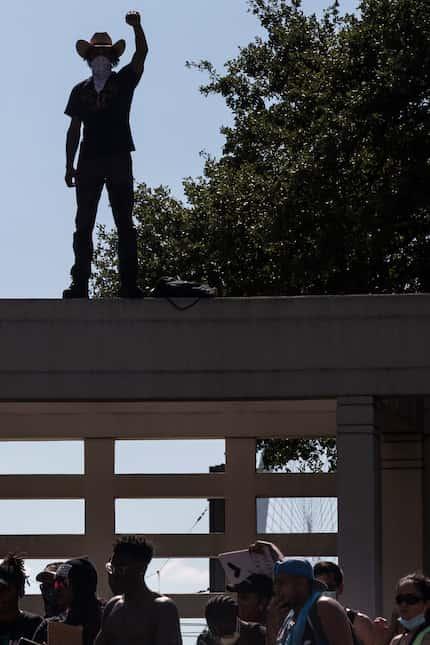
{"x": 133, "y": 18}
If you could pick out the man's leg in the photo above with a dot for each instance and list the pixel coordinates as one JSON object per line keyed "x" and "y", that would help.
{"x": 119, "y": 183}
{"x": 89, "y": 186}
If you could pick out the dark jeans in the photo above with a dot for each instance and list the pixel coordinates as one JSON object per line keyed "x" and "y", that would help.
{"x": 116, "y": 172}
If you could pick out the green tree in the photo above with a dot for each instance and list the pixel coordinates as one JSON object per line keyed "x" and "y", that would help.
{"x": 324, "y": 181}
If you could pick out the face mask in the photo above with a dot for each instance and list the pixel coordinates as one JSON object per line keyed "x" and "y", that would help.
{"x": 412, "y": 623}
{"x": 101, "y": 68}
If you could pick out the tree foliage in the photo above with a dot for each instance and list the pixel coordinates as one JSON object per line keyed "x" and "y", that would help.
{"x": 298, "y": 455}
{"x": 323, "y": 185}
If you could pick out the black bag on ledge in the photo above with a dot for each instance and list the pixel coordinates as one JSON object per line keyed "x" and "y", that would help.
{"x": 171, "y": 288}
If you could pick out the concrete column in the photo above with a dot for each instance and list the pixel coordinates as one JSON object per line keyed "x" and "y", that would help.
{"x": 402, "y": 502}
{"x": 359, "y": 542}
{"x": 240, "y": 511}
{"x": 216, "y": 525}
{"x": 100, "y": 505}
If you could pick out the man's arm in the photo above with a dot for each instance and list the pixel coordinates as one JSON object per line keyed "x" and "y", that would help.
{"x": 138, "y": 61}
{"x": 335, "y": 623}
{"x": 72, "y": 143}
{"x": 260, "y": 545}
{"x": 276, "y": 615}
{"x": 364, "y": 629}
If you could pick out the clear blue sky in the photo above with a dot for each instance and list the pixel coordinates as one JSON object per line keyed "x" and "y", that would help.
{"x": 172, "y": 122}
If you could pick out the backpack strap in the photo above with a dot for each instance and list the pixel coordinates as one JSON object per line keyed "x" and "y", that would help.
{"x": 352, "y": 615}
{"x": 316, "y": 627}
{"x": 419, "y": 639}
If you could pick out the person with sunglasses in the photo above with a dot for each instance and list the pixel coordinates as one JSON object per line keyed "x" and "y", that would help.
{"x": 46, "y": 580}
{"x": 136, "y": 615}
{"x": 75, "y": 588}
{"x": 413, "y": 606}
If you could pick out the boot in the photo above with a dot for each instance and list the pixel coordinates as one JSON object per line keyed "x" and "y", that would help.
{"x": 76, "y": 290}
{"x": 131, "y": 291}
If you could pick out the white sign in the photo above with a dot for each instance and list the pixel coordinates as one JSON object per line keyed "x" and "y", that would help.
{"x": 239, "y": 565}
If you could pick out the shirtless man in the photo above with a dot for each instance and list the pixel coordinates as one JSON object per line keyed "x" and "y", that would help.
{"x": 332, "y": 575}
{"x": 301, "y": 612}
{"x": 138, "y": 615}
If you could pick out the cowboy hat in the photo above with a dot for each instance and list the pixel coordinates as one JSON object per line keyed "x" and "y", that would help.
{"x": 100, "y": 41}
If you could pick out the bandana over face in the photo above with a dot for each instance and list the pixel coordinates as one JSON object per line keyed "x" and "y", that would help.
{"x": 101, "y": 67}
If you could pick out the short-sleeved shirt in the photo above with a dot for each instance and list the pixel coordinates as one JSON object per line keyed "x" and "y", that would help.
{"x": 106, "y": 116}
{"x": 23, "y": 627}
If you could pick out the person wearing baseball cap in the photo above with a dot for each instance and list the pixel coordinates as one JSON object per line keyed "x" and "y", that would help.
{"x": 46, "y": 583}
{"x": 75, "y": 586}
{"x": 302, "y": 610}
{"x": 102, "y": 104}
{"x": 253, "y": 597}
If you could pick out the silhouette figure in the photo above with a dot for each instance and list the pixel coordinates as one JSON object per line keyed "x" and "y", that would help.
{"x": 102, "y": 105}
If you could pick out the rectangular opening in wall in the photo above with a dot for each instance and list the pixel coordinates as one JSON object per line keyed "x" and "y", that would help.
{"x": 178, "y": 575}
{"x": 297, "y": 515}
{"x": 42, "y": 517}
{"x": 161, "y": 516}
{"x": 308, "y": 455}
{"x": 41, "y": 458}
{"x": 168, "y": 456}
{"x": 191, "y": 628}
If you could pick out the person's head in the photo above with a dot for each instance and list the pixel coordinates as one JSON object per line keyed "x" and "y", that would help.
{"x": 46, "y": 580}
{"x": 253, "y": 597}
{"x": 413, "y": 600}
{"x": 331, "y": 575}
{"x": 294, "y": 582}
{"x": 13, "y": 579}
{"x": 128, "y": 564}
{"x": 75, "y": 583}
{"x": 102, "y": 50}
{"x": 222, "y": 617}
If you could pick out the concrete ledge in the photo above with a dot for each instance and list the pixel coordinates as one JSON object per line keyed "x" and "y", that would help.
{"x": 257, "y": 348}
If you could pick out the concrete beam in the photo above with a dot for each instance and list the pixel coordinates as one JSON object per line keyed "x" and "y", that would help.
{"x": 40, "y": 421}
{"x": 257, "y": 348}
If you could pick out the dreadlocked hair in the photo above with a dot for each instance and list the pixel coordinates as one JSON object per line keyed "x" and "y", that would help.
{"x": 136, "y": 547}
{"x": 15, "y": 566}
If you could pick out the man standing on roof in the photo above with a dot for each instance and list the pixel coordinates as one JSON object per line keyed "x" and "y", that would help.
{"x": 102, "y": 105}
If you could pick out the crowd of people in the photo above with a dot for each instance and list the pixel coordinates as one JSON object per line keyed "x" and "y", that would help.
{"x": 298, "y": 605}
